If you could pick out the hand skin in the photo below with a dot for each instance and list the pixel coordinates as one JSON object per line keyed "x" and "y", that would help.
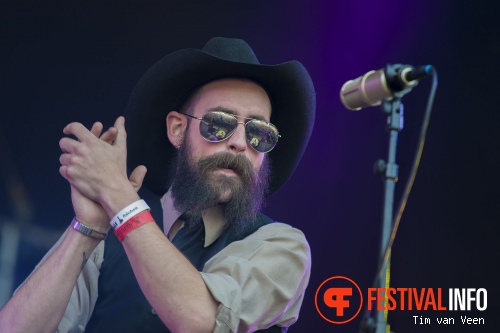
{"x": 88, "y": 211}
{"x": 171, "y": 284}
{"x": 40, "y": 302}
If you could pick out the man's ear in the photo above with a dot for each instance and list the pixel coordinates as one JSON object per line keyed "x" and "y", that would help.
{"x": 176, "y": 127}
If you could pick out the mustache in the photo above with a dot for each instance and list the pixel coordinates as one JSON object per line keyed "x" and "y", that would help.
{"x": 238, "y": 163}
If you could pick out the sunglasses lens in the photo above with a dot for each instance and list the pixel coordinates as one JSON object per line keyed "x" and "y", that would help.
{"x": 261, "y": 135}
{"x": 217, "y": 126}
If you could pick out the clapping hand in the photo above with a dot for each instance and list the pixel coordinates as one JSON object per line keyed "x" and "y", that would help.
{"x": 95, "y": 166}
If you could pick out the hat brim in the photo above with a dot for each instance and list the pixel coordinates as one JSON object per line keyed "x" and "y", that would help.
{"x": 167, "y": 84}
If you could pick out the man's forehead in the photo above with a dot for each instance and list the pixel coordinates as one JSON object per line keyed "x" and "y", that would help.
{"x": 234, "y": 95}
{"x": 233, "y": 112}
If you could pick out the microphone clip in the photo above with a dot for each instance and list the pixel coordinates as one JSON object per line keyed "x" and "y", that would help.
{"x": 397, "y": 80}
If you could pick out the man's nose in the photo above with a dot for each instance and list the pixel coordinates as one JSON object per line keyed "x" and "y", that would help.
{"x": 237, "y": 143}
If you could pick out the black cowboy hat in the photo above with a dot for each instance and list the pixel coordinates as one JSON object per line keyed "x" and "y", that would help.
{"x": 168, "y": 83}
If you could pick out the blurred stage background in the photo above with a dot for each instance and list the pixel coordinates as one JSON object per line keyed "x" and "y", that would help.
{"x": 79, "y": 60}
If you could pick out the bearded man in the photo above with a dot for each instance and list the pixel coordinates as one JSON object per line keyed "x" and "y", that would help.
{"x": 205, "y": 125}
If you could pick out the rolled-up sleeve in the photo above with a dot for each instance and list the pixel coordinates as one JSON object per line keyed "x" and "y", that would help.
{"x": 260, "y": 281}
{"x": 84, "y": 295}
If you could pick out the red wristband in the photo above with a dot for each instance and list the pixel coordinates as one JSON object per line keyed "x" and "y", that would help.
{"x": 133, "y": 223}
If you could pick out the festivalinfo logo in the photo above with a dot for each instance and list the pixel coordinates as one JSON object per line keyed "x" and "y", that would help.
{"x": 339, "y": 300}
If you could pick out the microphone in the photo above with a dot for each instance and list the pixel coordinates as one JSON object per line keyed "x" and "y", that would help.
{"x": 375, "y": 86}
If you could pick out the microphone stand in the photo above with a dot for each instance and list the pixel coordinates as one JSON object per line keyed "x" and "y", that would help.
{"x": 389, "y": 169}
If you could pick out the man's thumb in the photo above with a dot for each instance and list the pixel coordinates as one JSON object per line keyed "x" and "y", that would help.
{"x": 137, "y": 176}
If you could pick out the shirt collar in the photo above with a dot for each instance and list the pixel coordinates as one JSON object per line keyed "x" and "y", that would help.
{"x": 212, "y": 219}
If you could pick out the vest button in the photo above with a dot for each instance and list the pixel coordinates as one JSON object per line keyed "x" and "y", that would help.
{"x": 153, "y": 312}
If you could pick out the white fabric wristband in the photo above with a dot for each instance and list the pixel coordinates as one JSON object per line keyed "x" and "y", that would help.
{"x": 128, "y": 212}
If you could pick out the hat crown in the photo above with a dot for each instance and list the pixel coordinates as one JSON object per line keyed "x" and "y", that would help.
{"x": 231, "y": 49}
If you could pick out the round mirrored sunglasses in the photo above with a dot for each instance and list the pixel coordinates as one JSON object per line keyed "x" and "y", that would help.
{"x": 217, "y": 126}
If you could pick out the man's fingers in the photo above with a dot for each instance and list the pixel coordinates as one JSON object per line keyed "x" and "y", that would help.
{"x": 110, "y": 135}
{"x": 96, "y": 129}
{"x": 68, "y": 145}
{"x": 65, "y": 159}
{"x": 63, "y": 170}
{"x": 121, "y": 138}
{"x": 137, "y": 176}
{"x": 79, "y": 131}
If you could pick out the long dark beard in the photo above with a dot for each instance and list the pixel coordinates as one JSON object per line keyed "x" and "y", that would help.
{"x": 196, "y": 187}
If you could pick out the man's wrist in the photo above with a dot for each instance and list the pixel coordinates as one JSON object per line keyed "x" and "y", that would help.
{"x": 128, "y": 212}
{"x": 87, "y": 231}
{"x": 114, "y": 202}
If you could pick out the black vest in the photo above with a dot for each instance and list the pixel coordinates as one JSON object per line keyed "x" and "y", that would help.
{"x": 121, "y": 305}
